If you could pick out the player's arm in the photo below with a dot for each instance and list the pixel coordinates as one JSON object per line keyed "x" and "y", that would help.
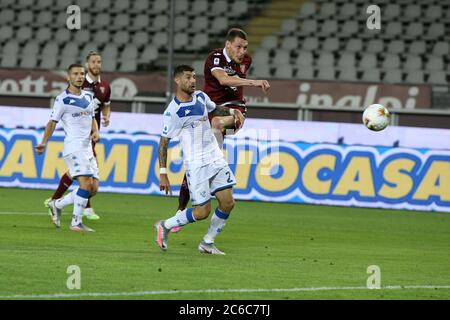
{"x": 225, "y": 80}
{"x": 164, "y": 183}
{"x": 237, "y": 119}
{"x": 106, "y": 113}
{"x": 95, "y": 135}
{"x": 49, "y": 129}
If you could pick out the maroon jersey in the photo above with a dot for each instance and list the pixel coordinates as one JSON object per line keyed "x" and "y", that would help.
{"x": 101, "y": 90}
{"x": 218, "y": 59}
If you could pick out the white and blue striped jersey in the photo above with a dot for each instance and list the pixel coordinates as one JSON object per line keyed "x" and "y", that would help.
{"x": 76, "y": 114}
{"x": 189, "y": 121}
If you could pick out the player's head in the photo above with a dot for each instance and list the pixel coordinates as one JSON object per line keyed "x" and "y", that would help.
{"x": 94, "y": 63}
{"x": 236, "y": 44}
{"x": 75, "y": 75}
{"x": 184, "y": 77}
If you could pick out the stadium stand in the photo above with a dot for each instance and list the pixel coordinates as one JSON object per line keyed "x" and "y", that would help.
{"x": 332, "y": 37}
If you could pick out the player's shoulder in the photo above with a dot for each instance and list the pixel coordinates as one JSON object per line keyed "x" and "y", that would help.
{"x": 201, "y": 94}
{"x": 247, "y": 59}
{"x": 216, "y": 54}
{"x": 105, "y": 83}
{"x": 87, "y": 93}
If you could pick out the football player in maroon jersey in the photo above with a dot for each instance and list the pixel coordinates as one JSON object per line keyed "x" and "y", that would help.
{"x": 225, "y": 73}
{"x": 102, "y": 91}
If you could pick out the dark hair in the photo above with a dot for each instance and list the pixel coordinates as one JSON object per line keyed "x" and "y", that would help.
{"x": 92, "y": 53}
{"x": 74, "y": 65}
{"x": 180, "y": 69}
{"x": 236, "y": 33}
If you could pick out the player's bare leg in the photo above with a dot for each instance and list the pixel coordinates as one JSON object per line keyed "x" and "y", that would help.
{"x": 64, "y": 183}
{"x": 218, "y": 221}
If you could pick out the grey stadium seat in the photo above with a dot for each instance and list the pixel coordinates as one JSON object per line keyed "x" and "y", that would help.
{"x": 200, "y": 24}
{"x": 6, "y": 17}
{"x": 140, "y": 6}
{"x": 102, "y": 5}
{"x": 44, "y": 18}
{"x": 327, "y": 10}
{"x": 310, "y": 44}
{"x": 347, "y": 60}
{"x": 82, "y": 36}
{"x": 180, "y": 40}
{"x": 438, "y": 78}
{"x": 261, "y": 57}
{"x": 354, "y": 45}
{"x": 128, "y": 66}
{"x": 160, "y": 22}
{"x": 433, "y": 13}
{"x": 289, "y": 26}
{"x": 24, "y": 34}
{"x": 284, "y": 71}
{"x": 199, "y": 67}
{"x": 121, "y": 37}
{"x": 219, "y": 24}
{"x": 62, "y": 36}
{"x": 348, "y": 74}
{"x": 368, "y": 61}
{"x": 396, "y": 46}
{"x": 121, "y": 6}
{"x": 25, "y": 17}
{"x": 308, "y": 27}
{"x": 372, "y": 75}
{"x": 417, "y": 47}
{"x": 109, "y": 65}
{"x": 329, "y": 27}
{"x": 199, "y": 41}
{"x": 181, "y": 23}
{"x": 28, "y": 61}
{"x": 348, "y": 10}
{"x": 101, "y": 37}
{"x": 261, "y": 71}
{"x": 305, "y": 72}
{"x": 149, "y": 54}
{"x": 141, "y": 21}
{"x": 325, "y": 59}
{"x": 414, "y": 30}
{"x": 412, "y": 63}
{"x": 441, "y": 48}
{"x": 181, "y": 6}
{"x": 375, "y": 46}
{"x": 393, "y": 30}
{"x": 281, "y": 57}
{"x": 435, "y": 30}
{"x": 199, "y": 7}
{"x": 307, "y": 10}
{"x": 330, "y": 44}
{"x": 219, "y": 7}
{"x": 434, "y": 63}
{"x": 110, "y": 51}
{"x": 393, "y": 76}
{"x": 269, "y": 42}
{"x": 415, "y": 76}
{"x": 70, "y": 50}
{"x": 239, "y": 7}
{"x": 391, "y": 12}
{"x": 160, "y": 39}
{"x": 140, "y": 38}
{"x": 349, "y": 28}
{"x": 289, "y": 43}
{"x": 328, "y": 73}
{"x": 304, "y": 58}
{"x": 391, "y": 61}
{"x": 121, "y": 21}
{"x": 412, "y": 12}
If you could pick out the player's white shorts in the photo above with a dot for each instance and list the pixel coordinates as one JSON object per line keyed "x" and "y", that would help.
{"x": 205, "y": 181}
{"x": 82, "y": 163}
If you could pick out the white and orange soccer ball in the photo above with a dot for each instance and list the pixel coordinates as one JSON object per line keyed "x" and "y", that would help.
{"x": 376, "y": 117}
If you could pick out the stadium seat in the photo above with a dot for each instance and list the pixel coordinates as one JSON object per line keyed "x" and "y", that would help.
{"x": 160, "y": 39}
{"x": 199, "y": 7}
{"x": 261, "y": 71}
{"x": 417, "y": 47}
{"x": 281, "y": 57}
{"x": 160, "y": 22}
{"x": 415, "y": 77}
{"x": 128, "y": 66}
{"x": 269, "y": 42}
{"x": 129, "y": 52}
{"x": 149, "y": 54}
{"x": 327, "y": 10}
{"x": 392, "y": 12}
{"x": 330, "y": 44}
{"x": 348, "y": 74}
{"x": 348, "y": 10}
{"x": 110, "y": 51}
{"x": 347, "y": 60}
{"x": 140, "y": 38}
{"x": 375, "y": 46}
{"x": 28, "y": 61}
{"x": 433, "y": 13}
{"x": 310, "y": 44}
{"x": 396, "y": 46}
{"x": 82, "y": 36}
{"x": 354, "y": 45}
{"x": 218, "y": 8}
{"x": 307, "y": 10}
{"x": 412, "y": 63}
{"x": 121, "y": 22}
{"x": 200, "y": 24}
{"x": 284, "y": 71}
{"x": 43, "y": 19}
{"x": 441, "y": 48}
{"x": 393, "y": 30}
{"x": 121, "y": 6}
{"x": 261, "y": 57}
{"x": 308, "y": 27}
{"x": 101, "y": 37}
{"x": 199, "y": 41}
{"x": 329, "y": 27}
{"x": 85, "y": 4}
{"x": 102, "y": 21}
{"x": 140, "y": 6}
{"x": 304, "y": 58}
{"x": 11, "y": 48}
{"x": 325, "y": 59}
{"x": 24, "y": 4}
{"x": 70, "y": 49}
{"x": 6, "y": 17}
{"x": 9, "y": 61}
{"x": 121, "y": 37}
{"x": 102, "y": 5}
{"x": 289, "y": 43}
{"x": 51, "y": 49}
{"x": 372, "y": 75}
{"x": 180, "y": 41}
{"x": 349, "y": 28}
{"x": 412, "y": 12}
{"x": 24, "y": 18}
{"x": 393, "y": 76}
{"x": 6, "y": 33}
{"x": 434, "y": 63}
{"x": 238, "y": 8}
{"x": 109, "y": 65}
{"x": 219, "y": 24}
{"x": 181, "y": 6}
{"x": 305, "y": 73}
{"x": 391, "y": 61}
{"x": 48, "y": 62}
{"x": 30, "y": 48}
{"x": 290, "y": 26}
{"x": 435, "y": 31}
{"x": 181, "y": 23}
{"x": 65, "y": 62}
{"x": 140, "y": 22}
{"x": 368, "y": 61}
{"x": 438, "y": 78}
{"x": 88, "y": 47}
{"x": 327, "y": 73}
{"x": 414, "y": 30}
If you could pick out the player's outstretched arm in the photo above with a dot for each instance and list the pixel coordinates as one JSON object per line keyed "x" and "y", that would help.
{"x": 164, "y": 183}
{"x": 49, "y": 129}
{"x": 237, "y": 121}
{"x": 225, "y": 80}
{"x": 106, "y": 113}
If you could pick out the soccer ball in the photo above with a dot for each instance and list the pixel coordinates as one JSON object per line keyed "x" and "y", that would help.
{"x": 376, "y": 117}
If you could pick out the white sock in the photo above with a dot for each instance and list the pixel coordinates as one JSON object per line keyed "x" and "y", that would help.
{"x": 80, "y": 201}
{"x": 216, "y": 225}
{"x": 66, "y": 200}
{"x": 181, "y": 218}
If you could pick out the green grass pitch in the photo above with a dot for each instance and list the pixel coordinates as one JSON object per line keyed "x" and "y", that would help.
{"x": 268, "y": 245}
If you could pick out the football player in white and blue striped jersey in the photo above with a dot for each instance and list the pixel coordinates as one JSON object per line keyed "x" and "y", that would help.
{"x": 75, "y": 108}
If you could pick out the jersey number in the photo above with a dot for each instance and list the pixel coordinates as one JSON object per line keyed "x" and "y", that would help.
{"x": 229, "y": 176}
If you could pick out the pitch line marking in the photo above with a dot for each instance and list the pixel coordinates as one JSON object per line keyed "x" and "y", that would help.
{"x": 18, "y": 213}
{"x": 169, "y": 292}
